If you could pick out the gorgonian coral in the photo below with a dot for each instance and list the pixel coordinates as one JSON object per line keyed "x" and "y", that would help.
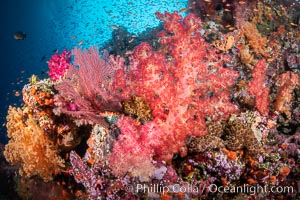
{"x": 85, "y": 92}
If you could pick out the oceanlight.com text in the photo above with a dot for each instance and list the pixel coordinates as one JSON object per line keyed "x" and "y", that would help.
{"x": 212, "y": 188}
{"x": 250, "y": 189}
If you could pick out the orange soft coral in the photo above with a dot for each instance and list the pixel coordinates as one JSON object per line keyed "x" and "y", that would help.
{"x": 286, "y": 82}
{"x": 256, "y": 41}
{"x": 30, "y": 148}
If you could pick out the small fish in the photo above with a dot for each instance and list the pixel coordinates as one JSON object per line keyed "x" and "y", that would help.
{"x": 131, "y": 40}
{"x": 80, "y": 42}
{"x": 55, "y": 51}
{"x": 73, "y": 36}
{"x": 270, "y": 59}
{"x": 17, "y": 93}
{"x": 43, "y": 58}
{"x": 293, "y": 24}
{"x": 128, "y": 52}
{"x": 242, "y": 2}
{"x": 184, "y": 9}
{"x": 19, "y": 35}
{"x": 114, "y": 27}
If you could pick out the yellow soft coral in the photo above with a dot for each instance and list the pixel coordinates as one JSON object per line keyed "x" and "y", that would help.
{"x": 29, "y": 147}
{"x": 138, "y": 107}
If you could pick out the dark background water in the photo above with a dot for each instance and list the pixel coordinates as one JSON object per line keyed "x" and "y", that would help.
{"x": 54, "y": 25}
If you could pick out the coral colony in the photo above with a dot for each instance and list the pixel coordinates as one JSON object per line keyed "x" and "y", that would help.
{"x": 207, "y": 110}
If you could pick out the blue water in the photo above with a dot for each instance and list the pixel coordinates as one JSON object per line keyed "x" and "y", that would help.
{"x": 53, "y": 25}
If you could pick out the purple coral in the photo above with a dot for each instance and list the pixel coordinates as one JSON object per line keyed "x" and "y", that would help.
{"x": 88, "y": 177}
{"x": 98, "y": 181}
{"x": 223, "y": 167}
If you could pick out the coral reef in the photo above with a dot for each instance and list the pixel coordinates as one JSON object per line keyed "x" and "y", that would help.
{"x": 210, "y": 141}
{"x": 58, "y": 65}
{"x": 83, "y": 94}
{"x": 256, "y": 41}
{"x": 131, "y": 153}
{"x": 233, "y": 134}
{"x": 204, "y": 103}
{"x": 286, "y": 82}
{"x": 138, "y": 107}
{"x": 29, "y": 147}
{"x": 238, "y": 135}
{"x": 258, "y": 88}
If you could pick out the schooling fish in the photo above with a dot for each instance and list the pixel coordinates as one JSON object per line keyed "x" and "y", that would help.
{"x": 19, "y": 35}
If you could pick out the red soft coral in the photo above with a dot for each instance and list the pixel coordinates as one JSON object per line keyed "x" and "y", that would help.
{"x": 182, "y": 90}
{"x": 202, "y": 79}
{"x": 257, "y": 87}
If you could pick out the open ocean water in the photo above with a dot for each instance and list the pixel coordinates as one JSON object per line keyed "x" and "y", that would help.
{"x": 52, "y": 26}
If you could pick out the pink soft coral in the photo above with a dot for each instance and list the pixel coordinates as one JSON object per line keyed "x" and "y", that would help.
{"x": 182, "y": 90}
{"x": 58, "y": 65}
{"x": 131, "y": 154}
